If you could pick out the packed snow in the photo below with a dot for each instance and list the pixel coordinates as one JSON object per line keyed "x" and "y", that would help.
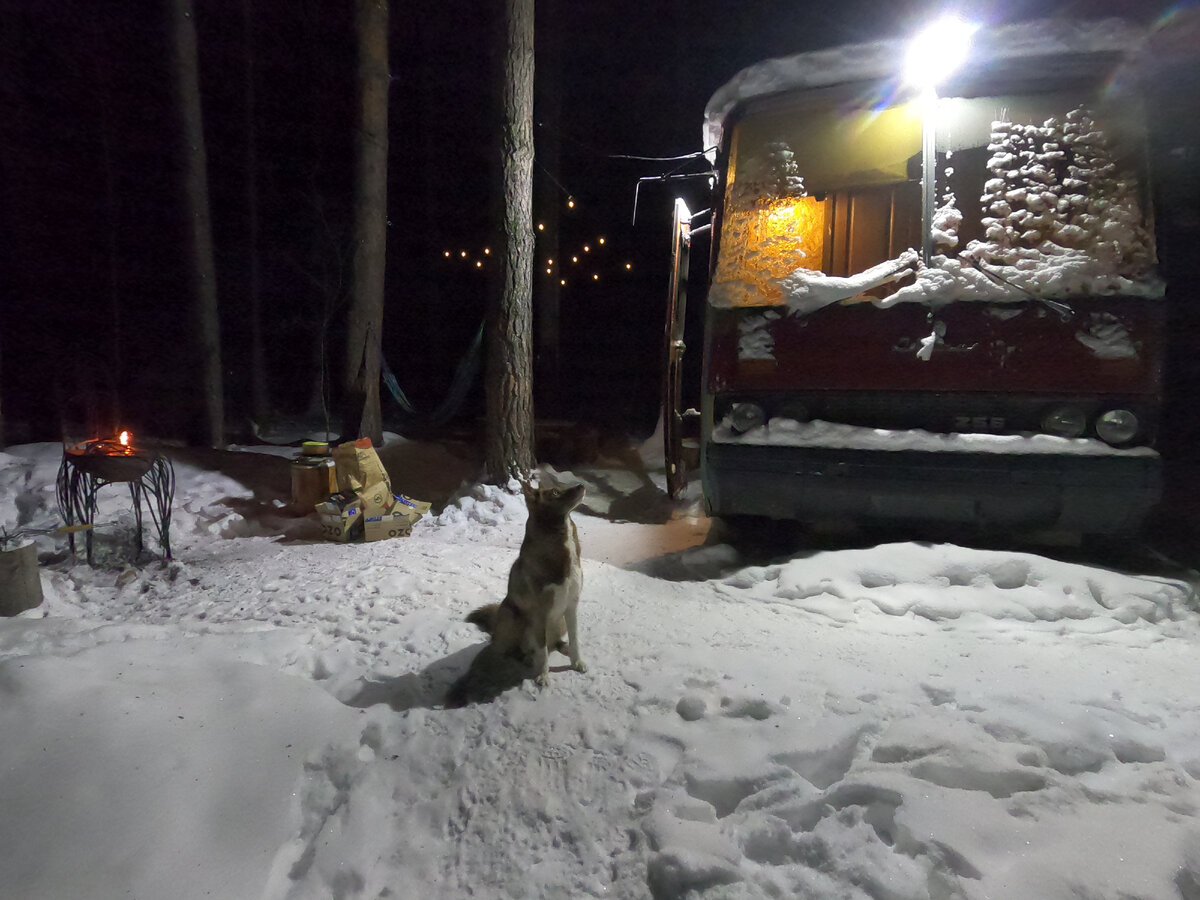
{"x": 782, "y": 431}
{"x": 261, "y": 717}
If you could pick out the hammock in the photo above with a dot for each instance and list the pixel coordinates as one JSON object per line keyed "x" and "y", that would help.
{"x": 464, "y": 377}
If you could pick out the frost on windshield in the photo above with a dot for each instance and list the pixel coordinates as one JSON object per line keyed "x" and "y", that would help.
{"x": 768, "y": 233}
{"x": 1059, "y": 216}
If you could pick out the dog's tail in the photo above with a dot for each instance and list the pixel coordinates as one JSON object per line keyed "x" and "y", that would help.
{"x": 484, "y": 617}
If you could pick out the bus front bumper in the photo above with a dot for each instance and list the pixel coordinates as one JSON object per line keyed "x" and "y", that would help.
{"x": 1091, "y": 494}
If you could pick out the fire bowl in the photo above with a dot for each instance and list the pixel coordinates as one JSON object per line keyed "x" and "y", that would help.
{"x": 126, "y": 467}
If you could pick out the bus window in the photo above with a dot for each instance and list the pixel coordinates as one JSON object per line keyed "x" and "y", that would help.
{"x": 823, "y": 189}
{"x": 1039, "y": 196}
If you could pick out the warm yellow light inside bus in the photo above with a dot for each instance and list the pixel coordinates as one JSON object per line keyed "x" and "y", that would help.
{"x": 767, "y": 241}
{"x": 819, "y": 188}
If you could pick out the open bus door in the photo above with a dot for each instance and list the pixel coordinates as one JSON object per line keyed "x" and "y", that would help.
{"x": 676, "y": 467}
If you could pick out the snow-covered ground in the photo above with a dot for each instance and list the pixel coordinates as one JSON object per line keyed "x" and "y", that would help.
{"x": 261, "y": 717}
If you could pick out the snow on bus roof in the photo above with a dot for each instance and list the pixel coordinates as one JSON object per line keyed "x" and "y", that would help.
{"x": 1044, "y": 39}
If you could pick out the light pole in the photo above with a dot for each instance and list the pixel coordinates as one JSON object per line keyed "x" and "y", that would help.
{"x": 933, "y": 55}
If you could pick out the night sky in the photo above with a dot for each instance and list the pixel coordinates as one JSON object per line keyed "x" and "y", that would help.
{"x": 95, "y": 299}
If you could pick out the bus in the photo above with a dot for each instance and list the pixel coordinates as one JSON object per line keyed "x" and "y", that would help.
{"x": 930, "y": 292}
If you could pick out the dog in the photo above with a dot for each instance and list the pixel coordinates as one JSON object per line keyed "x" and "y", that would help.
{"x": 543, "y": 586}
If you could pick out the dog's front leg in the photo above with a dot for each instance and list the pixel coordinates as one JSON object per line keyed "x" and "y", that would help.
{"x": 577, "y": 662}
{"x": 541, "y": 653}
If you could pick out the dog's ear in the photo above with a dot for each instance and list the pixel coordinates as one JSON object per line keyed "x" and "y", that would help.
{"x": 528, "y": 488}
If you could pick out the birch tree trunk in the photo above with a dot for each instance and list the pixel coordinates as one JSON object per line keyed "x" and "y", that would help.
{"x": 362, "y": 415}
{"x": 207, "y": 316}
{"x": 509, "y": 432}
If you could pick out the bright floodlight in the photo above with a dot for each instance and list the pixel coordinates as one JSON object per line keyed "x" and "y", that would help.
{"x": 937, "y": 51}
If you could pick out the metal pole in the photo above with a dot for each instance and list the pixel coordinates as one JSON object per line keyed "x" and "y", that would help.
{"x": 928, "y": 171}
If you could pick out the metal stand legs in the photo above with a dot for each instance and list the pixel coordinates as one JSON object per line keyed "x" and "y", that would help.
{"x": 77, "y": 488}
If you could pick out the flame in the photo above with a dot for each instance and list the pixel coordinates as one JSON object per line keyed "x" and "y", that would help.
{"x": 124, "y": 438}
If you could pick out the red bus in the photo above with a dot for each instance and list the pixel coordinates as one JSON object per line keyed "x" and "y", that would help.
{"x": 930, "y": 301}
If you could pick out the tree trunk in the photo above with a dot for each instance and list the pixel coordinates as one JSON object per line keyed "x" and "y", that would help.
{"x": 362, "y": 415}
{"x": 509, "y": 440}
{"x": 547, "y": 200}
{"x": 208, "y": 328}
{"x": 2, "y": 444}
{"x": 260, "y": 400}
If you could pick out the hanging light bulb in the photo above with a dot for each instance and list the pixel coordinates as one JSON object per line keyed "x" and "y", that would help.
{"x": 541, "y": 226}
{"x": 587, "y": 249}
{"x": 479, "y": 263}
{"x": 570, "y": 203}
{"x": 487, "y": 251}
{"x": 600, "y": 240}
{"x": 549, "y": 262}
{"x": 628, "y": 266}
{"x": 574, "y": 259}
{"x": 595, "y": 276}
{"x": 446, "y": 254}
{"x": 549, "y": 271}
{"x": 464, "y": 254}
{"x": 563, "y": 282}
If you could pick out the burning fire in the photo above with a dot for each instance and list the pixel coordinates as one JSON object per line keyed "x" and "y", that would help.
{"x": 122, "y": 445}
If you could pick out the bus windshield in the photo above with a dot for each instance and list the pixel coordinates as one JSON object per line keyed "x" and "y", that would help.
{"x": 1038, "y": 195}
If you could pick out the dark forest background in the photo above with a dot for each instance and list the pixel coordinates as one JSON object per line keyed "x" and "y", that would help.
{"x": 95, "y": 326}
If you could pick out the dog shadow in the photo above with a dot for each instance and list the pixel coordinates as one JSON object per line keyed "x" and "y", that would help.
{"x": 477, "y": 674}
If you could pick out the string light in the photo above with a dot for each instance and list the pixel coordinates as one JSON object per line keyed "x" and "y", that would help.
{"x": 570, "y": 203}
{"x": 599, "y": 241}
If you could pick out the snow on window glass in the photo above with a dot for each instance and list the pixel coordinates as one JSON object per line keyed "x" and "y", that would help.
{"x": 1040, "y": 197}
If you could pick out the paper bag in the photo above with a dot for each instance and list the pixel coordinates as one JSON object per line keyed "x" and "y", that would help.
{"x": 359, "y": 468}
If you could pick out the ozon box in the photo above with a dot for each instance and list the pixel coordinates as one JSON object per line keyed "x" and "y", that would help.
{"x": 340, "y": 525}
{"x": 398, "y": 522}
{"x": 389, "y": 525}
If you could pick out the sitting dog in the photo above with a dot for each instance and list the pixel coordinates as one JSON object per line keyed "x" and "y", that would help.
{"x": 543, "y": 589}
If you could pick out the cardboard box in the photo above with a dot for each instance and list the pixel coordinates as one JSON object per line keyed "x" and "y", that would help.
{"x": 377, "y": 500}
{"x": 340, "y": 520}
{"x": 405, "y": 513}
{"x": 364, "y": 506}
{"x": 414, "y": 508}
{"x": 391, "y": 525}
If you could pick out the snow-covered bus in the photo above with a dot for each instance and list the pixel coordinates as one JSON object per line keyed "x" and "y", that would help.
{"x": 931, "y": 296}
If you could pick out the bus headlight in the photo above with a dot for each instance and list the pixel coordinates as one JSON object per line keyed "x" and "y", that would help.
{"x": 1065, "y": 421}
{"x": 1117, "y": 426}
{"x": 746, "y": 417}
